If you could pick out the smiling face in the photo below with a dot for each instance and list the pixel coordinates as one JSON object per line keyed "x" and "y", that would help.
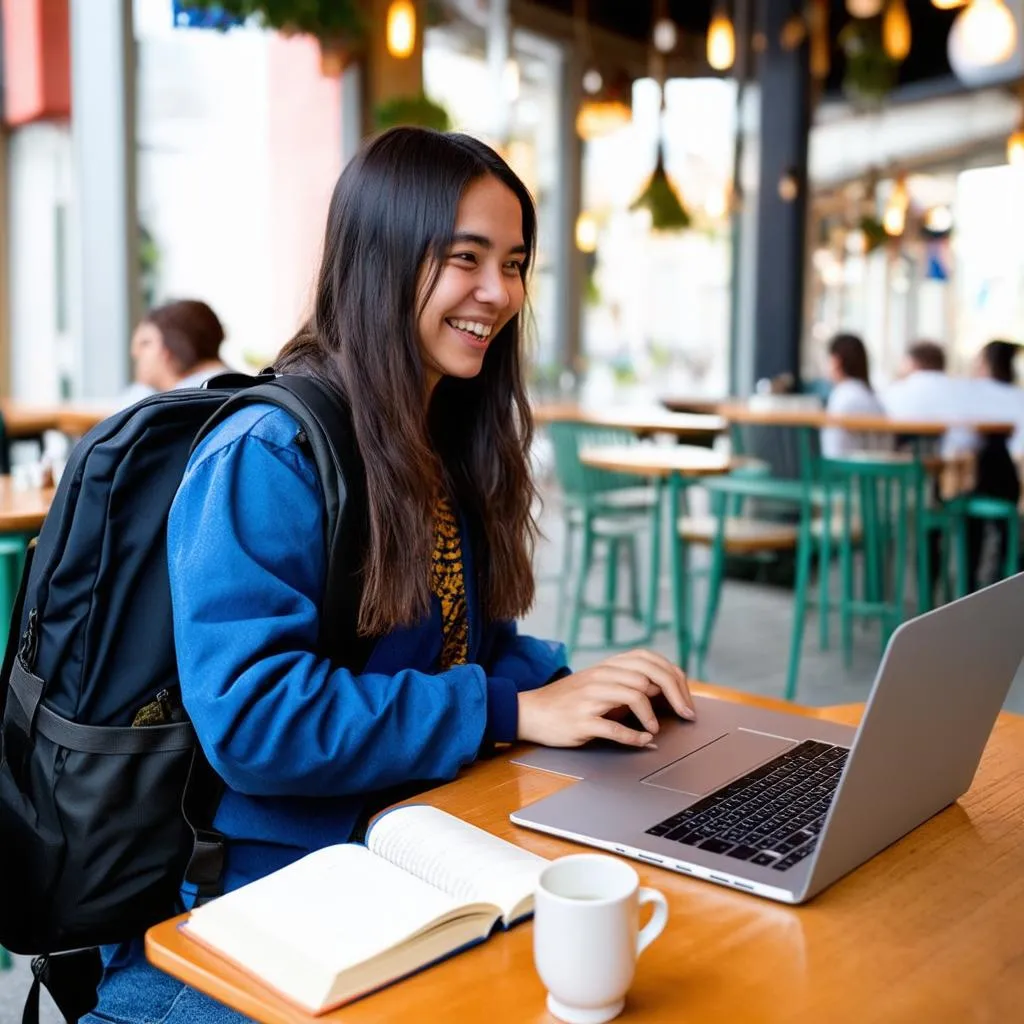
{"x": 480, "y": 286}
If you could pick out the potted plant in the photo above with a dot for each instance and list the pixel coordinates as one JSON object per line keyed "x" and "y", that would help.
{"x": 338, "y": 25}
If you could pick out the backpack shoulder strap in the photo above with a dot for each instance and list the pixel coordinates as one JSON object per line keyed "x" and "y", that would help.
{"x": 327, "y": 433}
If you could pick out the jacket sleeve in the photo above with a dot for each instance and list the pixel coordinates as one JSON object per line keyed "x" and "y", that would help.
{"x": 526, "y": 660}
{"x": 247, "y": 567}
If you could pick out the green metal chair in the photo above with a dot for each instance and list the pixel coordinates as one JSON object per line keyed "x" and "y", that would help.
{"x": 976, "y": 506}
{"x": 734, "y": 534}
{"x": 607, "y": 509}
{"x": 890, "y": 487}
{"x": 12, "y": 558}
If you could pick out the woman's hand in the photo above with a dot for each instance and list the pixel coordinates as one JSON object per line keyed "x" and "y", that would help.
{"x": 573, "y": 710}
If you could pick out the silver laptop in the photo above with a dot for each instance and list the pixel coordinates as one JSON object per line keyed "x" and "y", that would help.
{"x": 783, "y": 805}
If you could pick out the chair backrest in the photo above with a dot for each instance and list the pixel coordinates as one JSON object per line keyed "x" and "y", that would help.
{"x": 580, "y": 482}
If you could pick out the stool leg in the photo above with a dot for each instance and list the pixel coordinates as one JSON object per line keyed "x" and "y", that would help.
{"x": 715, "y": 575}
{"x": 635, "y": 609}
{"x": 611, "y": 575}
{"x": 824, "y": 571}
{"x": 579, "y": 596}
{"x": 803, "y": 572}
{"x": 568, "y": 540}
{"x": 1012, "y": 544}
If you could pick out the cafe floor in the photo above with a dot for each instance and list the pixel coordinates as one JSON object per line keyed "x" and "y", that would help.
{"x": 749, "y": 652}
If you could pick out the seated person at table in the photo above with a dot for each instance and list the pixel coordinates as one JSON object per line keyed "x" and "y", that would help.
{"x": 926, "y": 392}
{"x": 175, "y": 346}
{"x": 995, "y": 393}
{"x": 851, "y": 395}
{"x": 416, "y": 323}
{"x": 995, "y": 396}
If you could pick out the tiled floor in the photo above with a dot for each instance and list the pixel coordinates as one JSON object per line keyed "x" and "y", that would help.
{"x": 750, "y": 651}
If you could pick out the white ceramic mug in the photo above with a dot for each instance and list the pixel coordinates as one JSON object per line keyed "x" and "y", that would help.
{"x": 587, "y": 937}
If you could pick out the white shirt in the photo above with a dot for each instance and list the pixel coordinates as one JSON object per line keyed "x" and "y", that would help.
{"x": 851, "y": 398}
{"x": 933, "y": 395}
{"x": 997, "y": 402}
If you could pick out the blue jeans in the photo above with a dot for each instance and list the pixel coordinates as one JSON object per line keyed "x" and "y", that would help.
{"x": 134, "y": 992}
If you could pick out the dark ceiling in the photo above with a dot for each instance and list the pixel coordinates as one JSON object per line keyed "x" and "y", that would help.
{"x": 633, "y": 19}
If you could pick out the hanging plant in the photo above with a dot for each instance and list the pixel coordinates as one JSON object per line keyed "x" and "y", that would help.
{"x": 870, "y": 72}
{"x": 667, "y": 211}
{"x": 418, "y": 110}
{"x": 338, "y": 25}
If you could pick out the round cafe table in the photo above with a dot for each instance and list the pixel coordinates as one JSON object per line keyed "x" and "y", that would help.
{"x": 683, "y": 465}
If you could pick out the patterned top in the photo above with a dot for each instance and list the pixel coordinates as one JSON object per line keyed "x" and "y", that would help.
{"x": 448, "y": 583}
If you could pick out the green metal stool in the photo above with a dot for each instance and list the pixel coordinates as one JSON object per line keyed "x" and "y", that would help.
{"x": 976, "y": 506}
{"x": 12, "y": 558}
{"x": 891, "y": 492}
{"x": 725, "y": 491}
{"x": 606, "y": 509}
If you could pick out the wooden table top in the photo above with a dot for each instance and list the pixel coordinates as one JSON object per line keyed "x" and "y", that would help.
{"x": 640, "y": 421}
{"x": 23, "y": 511}
{"x": 26, "y": 421}
{"x": 657, "y": 460}
{"x": 739, "y": 413}
{"x": 929, "y": 930}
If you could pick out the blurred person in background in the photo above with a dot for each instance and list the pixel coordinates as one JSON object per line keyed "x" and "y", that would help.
{"x": 926, "y": 392}
{"x": 995, "y": 393}
{"x": 175, "y": 346}
{"x": 851, "y": 395}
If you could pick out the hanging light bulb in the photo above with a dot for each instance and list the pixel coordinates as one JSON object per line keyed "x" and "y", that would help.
{"x": 1015, "y": 148}
{"x": 948, "y": 5}
{"x": 586, "y": 232}
{"x": 721, "y": 42}
{"x": 400, "y": 29}
{"x": 984, "y": 34}
{"x": 863, "y": 8}
{"x": 665, "y": 35}
{"x": 592, "y": 81}
{"x": 894, "y": 220}
{"x": 896, "y": 30}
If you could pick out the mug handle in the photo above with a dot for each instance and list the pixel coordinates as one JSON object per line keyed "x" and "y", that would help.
{"x": 654, "y": 927}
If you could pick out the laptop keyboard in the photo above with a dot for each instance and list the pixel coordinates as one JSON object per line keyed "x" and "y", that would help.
{"x": 771, "y": 816}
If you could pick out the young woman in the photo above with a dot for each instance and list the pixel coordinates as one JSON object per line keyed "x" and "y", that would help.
{"x": 417, "y": 322}
{"x": 175, "y": 346}
{"x": 851, "y": 395}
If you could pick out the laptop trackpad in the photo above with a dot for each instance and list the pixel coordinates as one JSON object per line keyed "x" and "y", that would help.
{"x": 720, "y": 761}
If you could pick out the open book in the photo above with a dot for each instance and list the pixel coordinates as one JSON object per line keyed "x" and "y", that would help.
{"x": 349, "y": 919}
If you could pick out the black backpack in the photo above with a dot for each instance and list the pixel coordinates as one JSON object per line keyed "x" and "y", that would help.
{"x": 106, "y": 800}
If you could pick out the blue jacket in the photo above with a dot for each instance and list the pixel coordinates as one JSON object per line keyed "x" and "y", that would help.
{"x": 300, "y": 743}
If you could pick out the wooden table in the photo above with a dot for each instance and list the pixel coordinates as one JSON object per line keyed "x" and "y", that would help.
{"x": 639, "y": 421}
{"x": 931, "y": 930}
{"x": 23, "y": 511}
{"x": 30, "y": 421}
{"x": 739, "y": 413}
{"x": 682, "y": 465}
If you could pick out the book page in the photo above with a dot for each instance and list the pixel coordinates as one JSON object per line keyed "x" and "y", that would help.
{"x": 334, "y": 908}
{"x": 463, "y": 860}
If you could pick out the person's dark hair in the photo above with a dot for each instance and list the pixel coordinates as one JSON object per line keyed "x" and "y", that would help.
{"x": 392, "y": 216}
{"x": 998, "y": 357}
{"x": 851, "y": 355}
{"x": 190, "y": 331}
{"x": 926, "y": 355}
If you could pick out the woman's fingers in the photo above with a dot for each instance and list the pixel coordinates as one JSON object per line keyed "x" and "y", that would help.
{"x": 660, "y": 671}
{"x": 612, "y": 695}
{"x": 606, "y": 729}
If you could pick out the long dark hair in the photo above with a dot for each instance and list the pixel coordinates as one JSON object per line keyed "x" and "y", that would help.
{"x": 998, "y": 357}
{"x": 393, "y": 213}
{"x": 852, "y": 356}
